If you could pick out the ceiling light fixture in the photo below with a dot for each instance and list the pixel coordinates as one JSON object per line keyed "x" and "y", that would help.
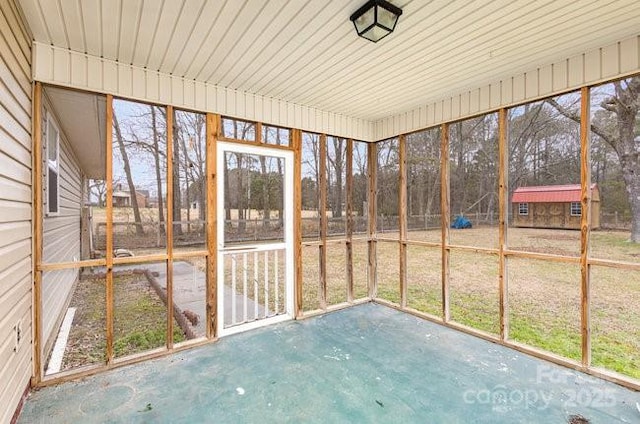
{"x": 376, "y": 19}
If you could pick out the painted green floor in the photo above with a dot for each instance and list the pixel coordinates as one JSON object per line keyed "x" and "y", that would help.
{"x": 364, "y": 364}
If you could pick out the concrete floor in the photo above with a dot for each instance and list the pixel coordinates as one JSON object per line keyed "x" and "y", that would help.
{"x": 363, "y": 364}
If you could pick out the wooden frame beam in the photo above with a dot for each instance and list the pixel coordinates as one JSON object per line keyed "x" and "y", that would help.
{"x": 585, "y": 225}
{"x": 169, "y": 228}
{"x": 349, "y": 223}
{"x": 503, "y": 176}
{"x": 37, "y": 233}
{"x": 213, "y": 127}
{"x": 402, "y": 217}
{"x": 322, "y": 209}
{"x": 445, "y": 217}
{"x": 372, "y": 169}
{"x": 109, "y": 230}
{"x": 296, "y": 136}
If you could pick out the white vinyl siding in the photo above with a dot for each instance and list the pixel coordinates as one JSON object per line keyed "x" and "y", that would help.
{"x": 60, "y": 67}
{"x": 52, "y": 155}
{"x": 61, "y": 235}
{"x": 15, "y": 209}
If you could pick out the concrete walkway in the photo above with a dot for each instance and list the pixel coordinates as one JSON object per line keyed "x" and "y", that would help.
{"x": 189, "y": 294}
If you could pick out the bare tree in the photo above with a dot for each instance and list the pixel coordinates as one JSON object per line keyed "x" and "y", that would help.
{"x": 623, "y": 104}
{"x": 127, "y": 171}
{"x": 98, "y": 190}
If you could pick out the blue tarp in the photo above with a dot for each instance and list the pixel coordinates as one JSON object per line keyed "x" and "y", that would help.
{"x": 461, "y": 222}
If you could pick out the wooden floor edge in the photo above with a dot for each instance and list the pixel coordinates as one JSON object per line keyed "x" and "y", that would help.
{"x": 89, "y": 370}
{"x": 23, "y": 398}
{"x": 611, "y": 376}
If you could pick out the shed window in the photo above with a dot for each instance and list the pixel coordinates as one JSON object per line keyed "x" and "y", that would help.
{"x": 576, "y": 209}
{"x": 523, "y": 208}
{"x": 53, "y": 167}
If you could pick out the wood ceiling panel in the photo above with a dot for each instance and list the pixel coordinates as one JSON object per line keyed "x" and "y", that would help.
{"x": 111, "y": 18}
{"x": 349, "y": 71}
{"x": 72, "y": 14}
{"x": 169, "y": 17}
{"x": 306, "y": 51}
{"x": 129, "y": 29}
{"x": 183, "y": 32}
{"x": 450, "y": 69}
{"x": 276, "y": 34}
{"x": 453, "y": 53}
{"x": 195, "y": 44}
{"x": 478, "y": 70}
{"x": 33, "y": 15}
{"x": 91, "y": 27}
{"x": 285, "y": 48}
{"x": 325, "y": 41}
{"x": 269, "y": 20}
{"x": 50, "y": 9}
{"x": 146, "y": 31}
{"x": 221, "y": 25}
{"x": 225, "y": 50}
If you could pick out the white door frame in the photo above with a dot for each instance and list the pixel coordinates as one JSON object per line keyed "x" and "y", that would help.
{"x": 288, "y": 244}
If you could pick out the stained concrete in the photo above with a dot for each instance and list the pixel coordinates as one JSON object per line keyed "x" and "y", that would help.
{"x": 363, "y": 364}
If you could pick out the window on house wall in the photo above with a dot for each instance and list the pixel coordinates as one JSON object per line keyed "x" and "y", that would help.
{"x": 523, "y": 208}
{"x": 576, "y": 209}
{"x": 53, "y": 167}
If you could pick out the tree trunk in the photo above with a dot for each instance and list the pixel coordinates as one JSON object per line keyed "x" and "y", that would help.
{"x": 630, "y": 165}
{"x": 156, "y": 158}
{"x": 281, "y": 188}
{"x": 127, "y": 171}
{"x": 266, "y": 207}
{"x": 176, "y": 217}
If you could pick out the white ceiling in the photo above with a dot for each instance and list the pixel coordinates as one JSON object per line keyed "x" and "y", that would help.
{"x": 307, "y": 51}
{"x": 81, "y": 118}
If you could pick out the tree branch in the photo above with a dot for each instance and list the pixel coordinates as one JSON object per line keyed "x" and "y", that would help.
{"x": 576, "y": 118}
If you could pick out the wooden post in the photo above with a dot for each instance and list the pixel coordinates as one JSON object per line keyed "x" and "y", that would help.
{"x": 213, "y": 126}
{"x": 372, "y": 169}
{"x": 503, "y": 179}
{"x": 296, "y": 136}
{"x": 109, "y": 227}
{"x": 258, "y": 127}
{"x": 37, "y": 233}
{"x": 585, "y": 224}
{"x": 169, "y": 228}
{"x": 349, "y": 223}
{"x": 445, "y": 218}
{"x": 322, "y": 206}
{"x": 402, "y": 216}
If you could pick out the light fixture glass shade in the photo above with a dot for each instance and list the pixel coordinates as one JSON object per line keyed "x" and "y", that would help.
{"x": 386, "y": 18}
{"x": 365, "y": 21}
{"x": 376, "y": 19}
{"x": 375, "y": 33}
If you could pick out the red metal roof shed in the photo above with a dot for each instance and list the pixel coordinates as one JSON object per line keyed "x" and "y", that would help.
{"x": 548, "y": 194}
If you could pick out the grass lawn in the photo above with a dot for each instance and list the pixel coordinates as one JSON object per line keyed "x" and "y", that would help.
{"x": 544, "y": 297}
{"x": 140, "y": 319}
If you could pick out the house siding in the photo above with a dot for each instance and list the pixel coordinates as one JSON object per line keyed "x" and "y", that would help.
{"x": 61, "y": 237}
{"x": 15, "y": 209}
{"x": 61, "y": 66}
